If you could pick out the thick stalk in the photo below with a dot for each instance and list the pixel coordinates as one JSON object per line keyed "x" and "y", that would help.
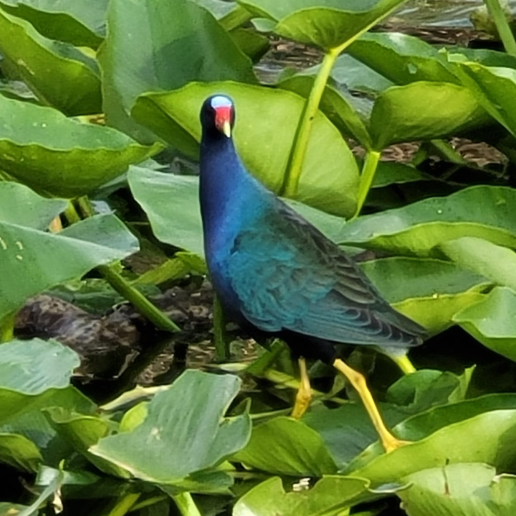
{"x": 124, "y": 505}
{"x": 186, "y": 505}
{"x": 219, "y": 332}
{"x": 7, "y": 327}
{"x": 502, "y": 26}
{"x": 123, "y": 287}
{"x": 298, "y": 151}
{"x": 366, "y": 179}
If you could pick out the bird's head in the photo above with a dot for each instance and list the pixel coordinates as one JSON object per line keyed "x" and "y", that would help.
{"x": 218, "y": 115}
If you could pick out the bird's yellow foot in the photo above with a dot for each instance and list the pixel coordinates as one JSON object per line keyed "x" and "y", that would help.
{"x": 304, "y": 393}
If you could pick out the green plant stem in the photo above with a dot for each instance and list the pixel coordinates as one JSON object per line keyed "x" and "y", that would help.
{"x": 502, "y": 25}
{"x": 366, "y": 179}
{"x": 264, "y": 361}
{"x": 447, "y": 152}
{"x": 124, "y": 505}
{"x": 219, "y": 332}
{"x": 150, "y": 501}
{"x": 298, "y": 151}
{"x": 123, "y": 287}
{"x": 7, "y": 327}
{"x": 186, "y": 505}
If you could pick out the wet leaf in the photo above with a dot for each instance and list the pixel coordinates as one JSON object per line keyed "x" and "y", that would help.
{"x": 286, "y": 446}
{"x": 183, "y": 433}
{"x": 264, "y": 131}
{"x": 171, "y": 49}
{"x": 42, "y": 148}
{"x": 95, "y": 241}
{"x": 31, "y": 370}
{"x": 37, "y": 60}
{"x": 490, "y": 322}
{"x": 473, "y": 489}
{"x": 393, "y": 120}
{"x": 478, "y": 211}
{"x": 402, "y": 59}
{"x": 72, "y": 21}
{"x": 327, "y": 24}
{"x": 329, "y": 496}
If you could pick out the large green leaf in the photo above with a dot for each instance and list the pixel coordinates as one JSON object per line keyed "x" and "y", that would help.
{"x": 401, "y": 58}
{"x": 489, "y": 439}
{"x": 471, "y": 489}
{"x": 31, "y": 370}
{"x": 494, "y": 88}
{"x": 73, "y": 21}
{"x": 286, "y": 446}
{"x": 325, "y": 23}
{"x": 393, "y": 120}
{"x": 479, "y": 211}
{"x": 184, "y": 431}
{"x": 38, "y": 61}
{"x": 329, "y": 496}
{"x": 154, "y": 45}
{"x": 490, "y": 323}
{"x": 25, "y": 270}
{"x": 427, "y": 290}
{"x": 265, "y": 128}
{"x": 492, "y": 261}
{"x": 19, "y": 452}
{"x": 39, "y": 146}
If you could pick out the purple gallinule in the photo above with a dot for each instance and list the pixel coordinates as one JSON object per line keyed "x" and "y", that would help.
{"x": 279, "y": 276}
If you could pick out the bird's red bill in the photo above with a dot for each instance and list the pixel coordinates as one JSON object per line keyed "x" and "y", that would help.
{"x": 223, "y": 118}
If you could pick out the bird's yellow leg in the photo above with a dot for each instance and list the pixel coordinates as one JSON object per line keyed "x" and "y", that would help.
{"x": 358, "y": 381}
{"x": 304, "y": 393}
{"x": 404, "y": 363}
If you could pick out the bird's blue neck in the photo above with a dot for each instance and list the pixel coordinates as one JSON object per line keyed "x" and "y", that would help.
{"x": 226, "y": 188}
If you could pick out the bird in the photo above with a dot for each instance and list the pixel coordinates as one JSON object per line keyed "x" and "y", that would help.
{"x": 277, "y": 275}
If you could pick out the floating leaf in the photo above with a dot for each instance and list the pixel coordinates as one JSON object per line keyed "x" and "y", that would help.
{"x": 169, "y": 48}
{"x": 51, "y": 153}
{"x": 479, "y": 211}
{"x": 37, "y": 60}
{"x": 490, "y": 323}
{"x": 183, "y": 433}
{"x": 286, "y": 446}
{"x": 264, "y": 131}
{"x": 393, "y": 120}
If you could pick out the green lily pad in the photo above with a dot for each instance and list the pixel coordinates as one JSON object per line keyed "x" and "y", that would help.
{"x": 265, "y": 128}
{"x": 42, "y": 148}
{"x": 401, "y": 58}
{"x": 95, "y": 241}
{"x": 183, "y": 433}
{"x": 491, "y": 323}
{"x": 72, "y": 21}
{"x": 393, "y": 120}
{"x": 286, "y": 446}
{"x": 329, "y": 496}
{"x": 31, "y": 370}
{"x": 478, "y": 211}
{"x": 326, "y": 23}
{"x": 37, "y": 60}
{"x": 169, "y": 51}
{"x": 473, "y": 489}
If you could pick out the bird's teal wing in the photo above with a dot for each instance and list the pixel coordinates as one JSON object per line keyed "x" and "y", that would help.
{"x": 289, "y": 276}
